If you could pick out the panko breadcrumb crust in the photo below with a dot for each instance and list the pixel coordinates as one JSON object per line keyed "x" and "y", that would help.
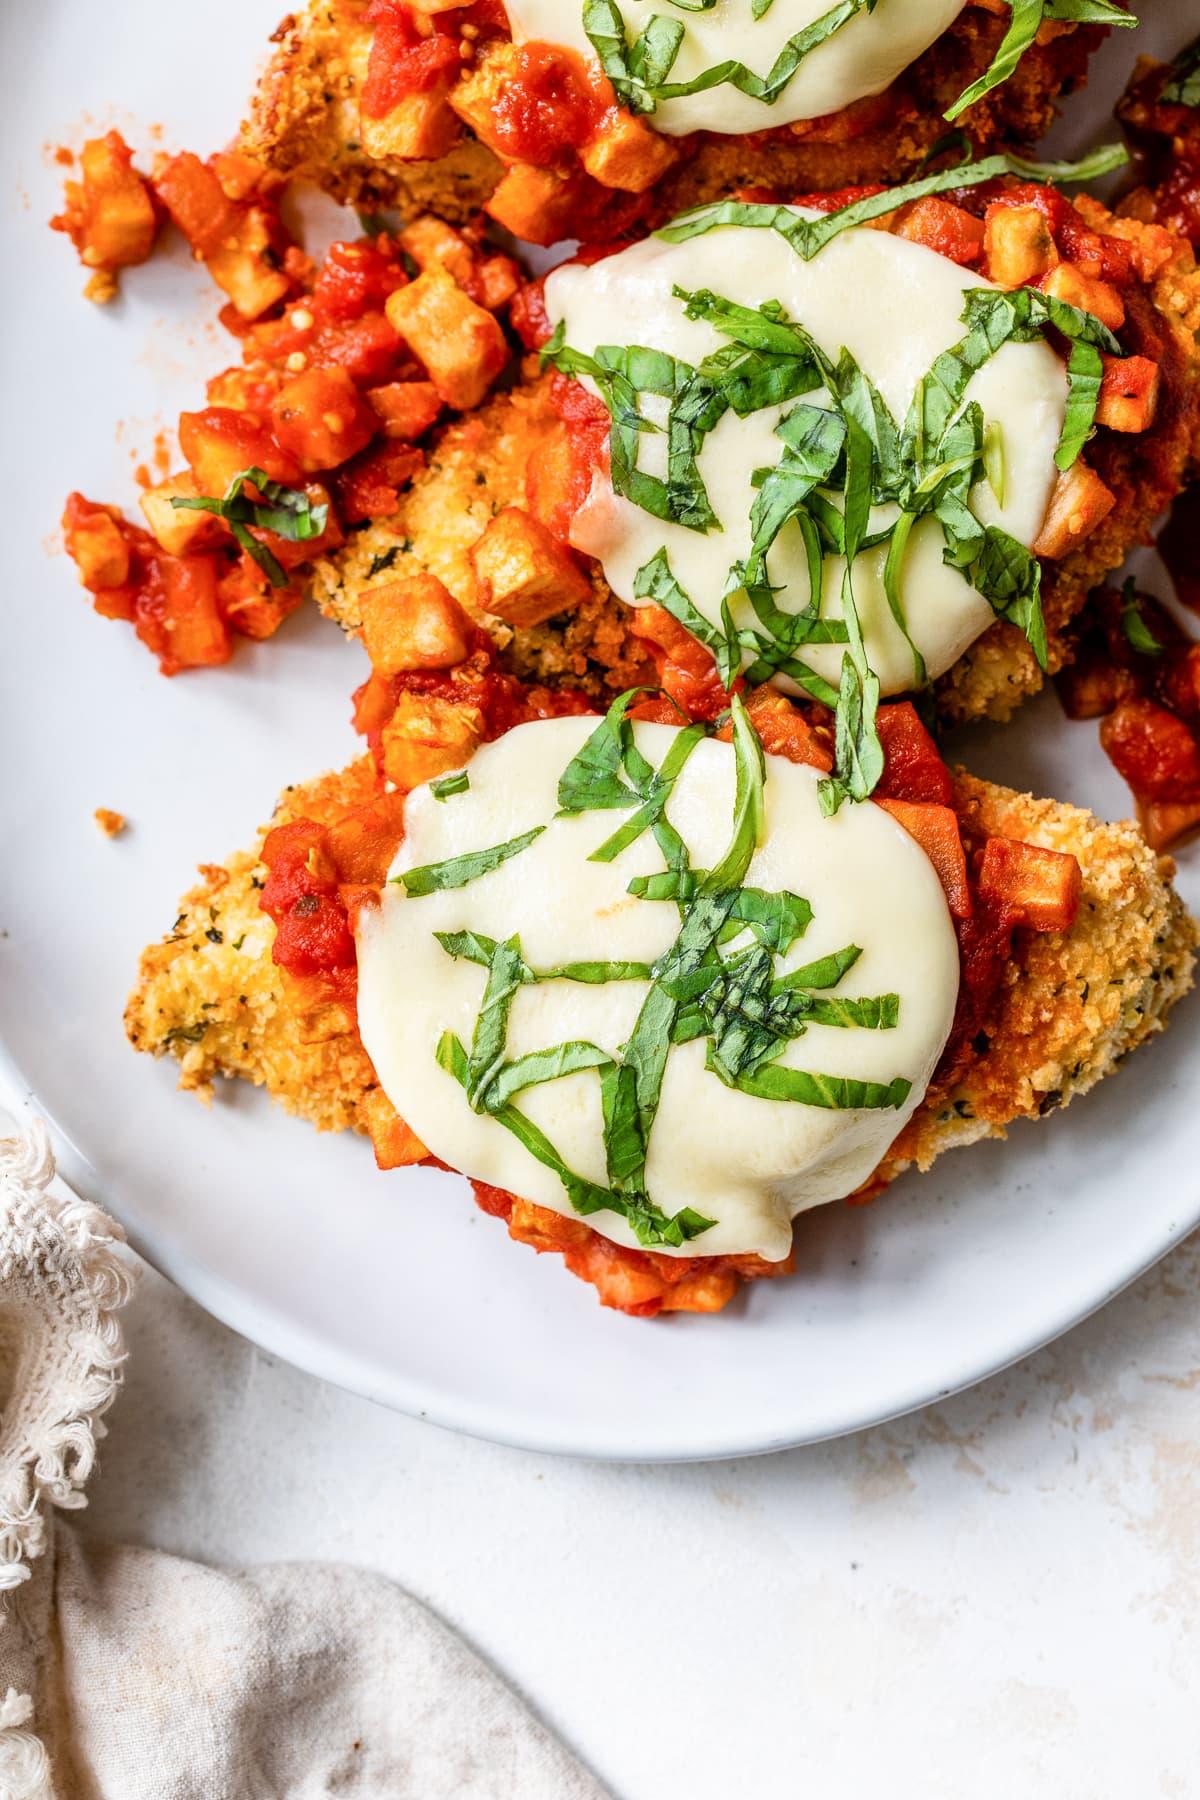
{"x": 1070, "y": 1009}
{"x": 304, "y": 121}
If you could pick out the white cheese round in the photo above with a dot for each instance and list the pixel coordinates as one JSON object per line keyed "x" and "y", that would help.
{"x": 749, "y": 1164}
{"x": 895, "y": 306}
{"x": 862, "y": 57}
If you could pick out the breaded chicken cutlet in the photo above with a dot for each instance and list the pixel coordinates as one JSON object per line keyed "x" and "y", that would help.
{"x": 445, "y": 147}
{"x": 510, "y": 459}
{"x": 1069, "y": 1009}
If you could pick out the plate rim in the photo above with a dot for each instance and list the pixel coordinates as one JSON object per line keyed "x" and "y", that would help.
{"x": 271, "y": 1332}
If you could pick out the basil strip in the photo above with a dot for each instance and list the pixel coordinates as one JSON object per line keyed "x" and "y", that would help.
{"x": 592, "y": 780}
{"x": 841, "y": 1093}
{"x": 1010, "y": 578}
{"x": 473, "y": 946}
{"x": 448, "y": 785}
{"x": 491, "y": 1027}
{"x": 639, "y": 71}
{"x": 749, "y": 816}
{"x": 660, "y": 785}
{"x": 434, "y": 878}
{"x": 875, "y": 1012}
{"x": 807, "y": 237}
{"x": 288, "y": 512}
{"x": 825, "y": 972}
{"x": 1084, "y": 372}
{"x": 540, "y": 1066}
{"x": 651, "y": 1226}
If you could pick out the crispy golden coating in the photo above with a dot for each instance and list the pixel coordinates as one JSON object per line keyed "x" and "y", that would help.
{"x": 304, "y": 120}
{"x": 1072, "y": 1005}
{"x": 1070, "y": 1009}
{"x": 478, "y": 467}
{"x": 210, "y": 995}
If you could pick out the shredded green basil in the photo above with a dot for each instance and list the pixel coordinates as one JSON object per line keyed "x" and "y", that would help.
{"x": 639, "y": 67}
{"x": 718, "y": 980}
{"x": 288, "y": 512}
{"x": 457, "y": 871}
{"x": 448, "y": 785}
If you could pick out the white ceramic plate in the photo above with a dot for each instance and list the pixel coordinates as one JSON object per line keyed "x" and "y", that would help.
{"x": 396, "y": 1285}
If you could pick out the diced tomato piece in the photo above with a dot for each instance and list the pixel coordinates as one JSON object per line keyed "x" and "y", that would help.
{"x": 1104, "y": 258}
{"x": 1166, "y": 822}
{"x": 1155, "y": 752}
{"x": 687, "y": 672}
{"x": 552, "y": 103}
{"x": 939, "y": 225}
{"x": 559, "y": 474}
{"x": 362, "y": 844}
{"x": 374, "y": 704}
{"x": 913, "y": 768}
{"x": 1179, "y": 682}
{"x": 1092, "y": 685}
{"x": 405, "y": 409}
{"x": 836, "y": 198}
{"x": 314, "y": 937}
{"x": 318, "y": 418}
{"x": 219, "y": 443}
{"x": 251, "y": 606}
{"x": 297, "y": 864}
{"x": 358, "y": 277}
{"x": 396, "y": 1145}
{"x": 97, "y": 540}
{"x": 196, "y": 201}
{"x": 367, "y": 348}
{"x": 370, "y": 487}
{"x": 529, "y": 317}
{"x": 180, "y": 618}
{"x": 1035, "y": 887}
{"x": 110, "y": 215}
{"x": 936, "y": 830}
{"x": 401, "y": 61}
{"x": 784, "y": 730}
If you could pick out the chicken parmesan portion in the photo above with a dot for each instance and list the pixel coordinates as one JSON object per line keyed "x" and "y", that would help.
{"x": 579, "y": 119}
{"x": 697, "y": 1011}
{"x": 987, "y": 399}
{"x": 642, "y": 1018}
{"x": 848, "y": 451}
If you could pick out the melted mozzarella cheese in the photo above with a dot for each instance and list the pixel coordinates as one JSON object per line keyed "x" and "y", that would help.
{"x": 863, "y": 57}
{"x": 895, "y": 306}
{"x": 749, "y": 1164}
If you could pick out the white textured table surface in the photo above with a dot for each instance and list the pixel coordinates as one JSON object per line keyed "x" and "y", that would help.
{"x": 996, "y": 1597}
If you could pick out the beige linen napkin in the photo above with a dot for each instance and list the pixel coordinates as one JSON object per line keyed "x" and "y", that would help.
{"x": 126, "y": 1674}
